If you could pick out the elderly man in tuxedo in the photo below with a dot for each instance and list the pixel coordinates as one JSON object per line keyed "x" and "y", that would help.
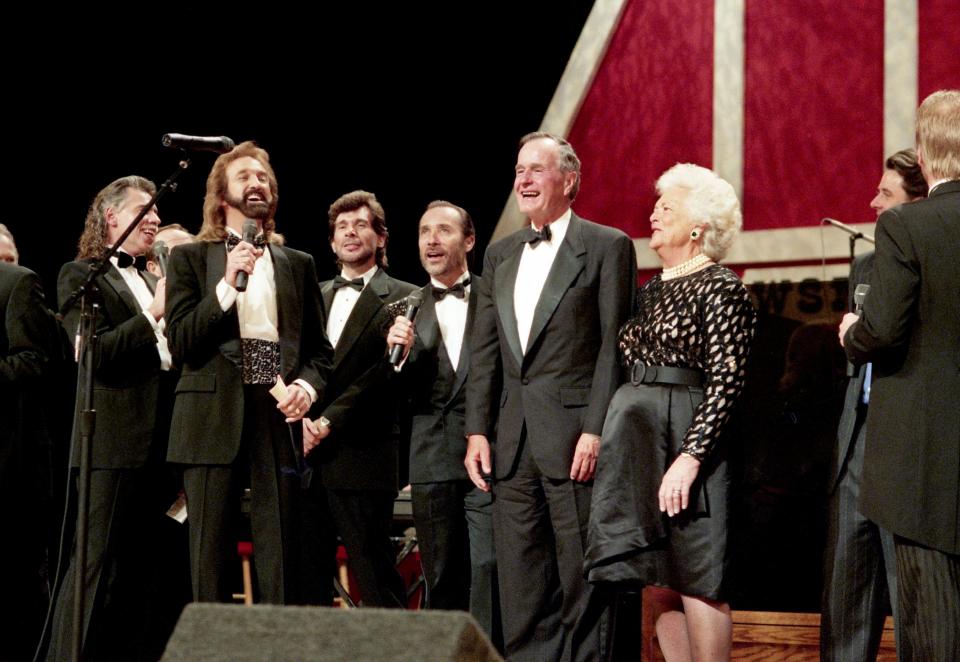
{"x": 542, "y": 371}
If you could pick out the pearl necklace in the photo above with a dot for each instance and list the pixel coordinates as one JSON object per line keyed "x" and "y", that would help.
{"x": 695, "y": 263}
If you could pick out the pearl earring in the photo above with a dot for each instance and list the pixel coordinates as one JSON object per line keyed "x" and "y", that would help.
{"x": 694, "y": 234}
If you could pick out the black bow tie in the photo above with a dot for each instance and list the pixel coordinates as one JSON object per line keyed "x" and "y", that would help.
{"x": 125, "y": 260}
{"x": 233, "y": 240}
{"x": 534, "y": 237}
{"x": 459, "y": 290}
{"x": 340, "y": 281}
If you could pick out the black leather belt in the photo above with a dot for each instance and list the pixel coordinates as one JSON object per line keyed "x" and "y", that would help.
{"x": 661, "y": 374}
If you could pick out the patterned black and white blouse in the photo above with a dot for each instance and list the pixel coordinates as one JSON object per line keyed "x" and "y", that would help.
{"x": 703, "y": 321}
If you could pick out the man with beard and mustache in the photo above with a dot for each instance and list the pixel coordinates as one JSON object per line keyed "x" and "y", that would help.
{"x": 132, "y": 393}
{"x": 452, "y": 515}
{"x": 227, "y": 430}
{"x": 353, "y": 442}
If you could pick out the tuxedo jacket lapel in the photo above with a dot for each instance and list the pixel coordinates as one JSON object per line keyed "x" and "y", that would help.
{"x": 463, "y": 365}
{"x": 506, "y": 280}
{"x": 567, "y": 265}
{"x": 216, "y": 270}
{"x": 370, "y": 301}
{"x": 115, "y": 280}
{"x": 289, "y": 314}
{"x": 427, "y": 326}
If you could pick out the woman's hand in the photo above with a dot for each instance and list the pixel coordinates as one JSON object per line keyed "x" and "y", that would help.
{"x": 675, "y": 489}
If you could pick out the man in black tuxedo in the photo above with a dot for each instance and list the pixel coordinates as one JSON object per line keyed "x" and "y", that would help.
{"x": 132, "y": 390}
{"x": 28, "y": 346}
{"x": 353, "y": 441}
{"x": 229, "y": 431}
{"x": 859, "y": 573}
{"x": 543, "y": 369}
{"x": 452, "y": 515}
{"x": 910, "y": 331}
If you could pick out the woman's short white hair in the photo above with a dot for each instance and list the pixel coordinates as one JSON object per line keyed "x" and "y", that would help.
{"x": 711, "y": 201}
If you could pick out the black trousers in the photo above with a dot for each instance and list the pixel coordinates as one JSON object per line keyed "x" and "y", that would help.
{"x": 136, "y": 575}
{"x": 454, "y": 523}
{"x": 859, "y": 572}
{"x": 550, "y": 612}
{"x": 929, "y": 585}
{"x": 267, "y": 464}
{"x": 362, "y": 519}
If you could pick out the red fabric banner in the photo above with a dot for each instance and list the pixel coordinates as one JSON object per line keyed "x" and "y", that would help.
{"x": 650, "y": 106}
{"x": 813, "y": 143}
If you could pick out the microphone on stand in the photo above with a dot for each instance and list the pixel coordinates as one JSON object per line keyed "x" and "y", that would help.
{"x": 217, "y": 144}
{"x": 249, "y": 234}
{"x": 849, "y": 229}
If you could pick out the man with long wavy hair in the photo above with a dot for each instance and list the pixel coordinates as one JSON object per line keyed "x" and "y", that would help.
{"x": 133, "y": 387}
{"x": 228, "y": 431}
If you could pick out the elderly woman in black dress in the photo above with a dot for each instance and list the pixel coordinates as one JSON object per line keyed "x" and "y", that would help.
{"x": 659, "y": 509}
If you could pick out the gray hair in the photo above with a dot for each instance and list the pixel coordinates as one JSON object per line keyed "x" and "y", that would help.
{"x": 569, "y": 161}
{"x": 711, "y": 201}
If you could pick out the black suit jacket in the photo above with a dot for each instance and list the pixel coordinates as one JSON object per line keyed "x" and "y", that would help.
{"x": 205, "y": 341}
{"x": 127, "y": 364}
{"x": 910, "y": 329}
{"x": 437, "y": 396}
{"x": 846, "y": 430}
{"x": 361, "y": 451}
{"x": 561, "y": 387}
{"x": 28, "y": 343}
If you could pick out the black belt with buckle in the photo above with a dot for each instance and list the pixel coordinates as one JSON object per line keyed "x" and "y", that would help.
{"x": 662, "y": 374}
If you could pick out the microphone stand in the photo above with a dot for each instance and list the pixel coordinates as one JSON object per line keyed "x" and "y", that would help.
{"x": 850, "y": 230}
{"x": 86, "y": 294}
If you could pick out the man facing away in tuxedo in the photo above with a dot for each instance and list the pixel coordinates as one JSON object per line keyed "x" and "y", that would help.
{"x": 543, "y": 369}
{"x": 352, "y": 439}
{"x": 229, "y": 432}
{"x": 132, "y": 394}
{"x": 453, "y": 517}
{"x": 859, "y": 571}
{"x": 910, "y": 332}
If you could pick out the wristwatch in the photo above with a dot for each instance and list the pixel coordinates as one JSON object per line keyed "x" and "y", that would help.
{"x": 324, "y": 421}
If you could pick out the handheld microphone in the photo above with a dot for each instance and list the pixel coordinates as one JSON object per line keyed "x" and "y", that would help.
{"x": 217, "y": 144}
{"x": 859, "y": 296}
{"x": 414, "y": 301}
{"x": 848, "y": 229}
{"x": 249, "y": 234}
{"x": 161, "y": 252}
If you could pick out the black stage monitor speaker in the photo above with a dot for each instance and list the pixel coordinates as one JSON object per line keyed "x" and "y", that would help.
{"x": 238, "y": 633}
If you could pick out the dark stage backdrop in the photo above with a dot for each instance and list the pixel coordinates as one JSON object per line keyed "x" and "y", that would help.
{"x": 410, "y": 104}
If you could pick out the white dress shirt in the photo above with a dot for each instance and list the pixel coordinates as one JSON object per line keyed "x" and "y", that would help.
{"x": 143, "y": 295}
{"x": 452, "y": 319}
{"x": 344, "y": 299}
{"x": 535, "y": 264}
{"x": 257, "y": 306}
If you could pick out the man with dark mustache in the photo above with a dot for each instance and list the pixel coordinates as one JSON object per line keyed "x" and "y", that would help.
{"x": 353, "y": 437}
{"x": 229, "y": 430}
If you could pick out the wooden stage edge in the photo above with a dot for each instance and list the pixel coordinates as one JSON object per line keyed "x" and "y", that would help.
{"x": 762, "y": 636}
